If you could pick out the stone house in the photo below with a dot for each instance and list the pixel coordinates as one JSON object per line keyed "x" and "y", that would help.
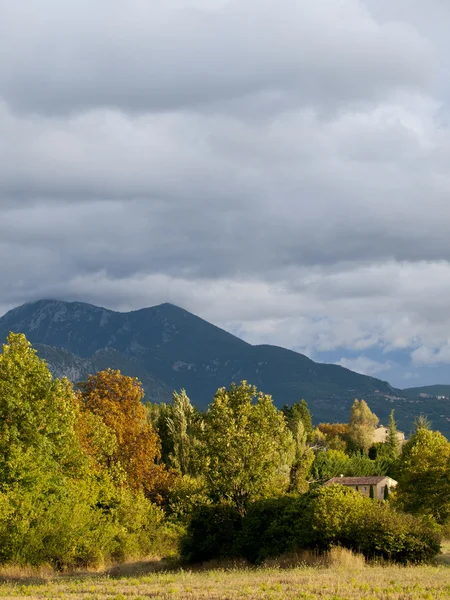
{"x": 363, "y": 484}
{"x": 381, "y": 432}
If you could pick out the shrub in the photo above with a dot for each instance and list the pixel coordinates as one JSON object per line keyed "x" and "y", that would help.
{"x": 74, "y": 524}
{"x": 393, "y": 535}
{"x": 319, "y": 520}
{"x": 187, "y": 494}
{"x": 212, "y": 533}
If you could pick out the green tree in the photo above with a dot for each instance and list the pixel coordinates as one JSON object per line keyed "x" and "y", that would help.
{"x": 38, "y": 415}
{"x": 328, "y": 464}
{"x": 392, "y": 446}
{"x": 184, "y": 426}
{"x": 299, "y": 411}
{"x": 362, "y": 426}
{"x": 424, "y": 475}
{"x": 248, "y": 446}
{"x": 422, "y": 422}
{"x": 303, "y": 459}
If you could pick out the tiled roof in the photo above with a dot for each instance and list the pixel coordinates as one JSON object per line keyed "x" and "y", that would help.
{"x": 356, "y": 480}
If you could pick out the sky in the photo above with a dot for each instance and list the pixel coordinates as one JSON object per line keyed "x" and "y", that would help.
{"x": 278, "y": 167}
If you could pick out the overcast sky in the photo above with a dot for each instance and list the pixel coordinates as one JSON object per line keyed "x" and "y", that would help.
{"x": 278, "y": 167}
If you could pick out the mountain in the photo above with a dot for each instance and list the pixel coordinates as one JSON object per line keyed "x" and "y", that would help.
{"x": 429, "y": 391}
{"x": 169, "y": 348}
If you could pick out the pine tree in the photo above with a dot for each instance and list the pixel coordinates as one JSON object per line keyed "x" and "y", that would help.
{"x": 422, "y": 422}
{"x": 392, "y": 441}
{"x": 299, "y": 411}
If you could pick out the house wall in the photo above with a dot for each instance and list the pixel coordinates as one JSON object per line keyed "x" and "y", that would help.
{"x": 378, "y": 489}
{"x": 380, "y": 435}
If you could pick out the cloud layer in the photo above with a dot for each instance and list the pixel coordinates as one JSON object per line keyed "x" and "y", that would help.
{"x": 280, "y": 168}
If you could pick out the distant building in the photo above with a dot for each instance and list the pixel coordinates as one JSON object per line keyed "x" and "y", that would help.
{"x": 363, "y": 484}
{"x": 380, "y": 435}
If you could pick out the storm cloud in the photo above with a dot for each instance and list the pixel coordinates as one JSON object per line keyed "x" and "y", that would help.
{"x": 277, "y": 167}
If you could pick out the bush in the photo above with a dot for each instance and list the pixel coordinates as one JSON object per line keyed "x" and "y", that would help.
{"x": 266, "y": 531}
{"x": 319, "y": 520}
{"x": 71, "y": 524}
{"x": 213, "y": 532}
{"x": 187, "y": 494}
{"x": 396, "y": 536}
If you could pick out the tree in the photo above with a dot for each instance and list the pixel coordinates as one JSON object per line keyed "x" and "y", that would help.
{"x": 116, "y": 399}
{"x": 248, "y": 446}
{"x": 97, "y": 440}
{"x": 392, "y": 441}
{"x": 362, "y": 425}
{"x": 424, "y": 475}
{"x": 328, "y": 464}
{"x": 299, "y": 411}
{"x": 303, "y": 458}
{"x": 336, "y": 435}
{"x": 184, "y": 427}
{"x": 37, "y": 417}
{"x": 422, "y": 422}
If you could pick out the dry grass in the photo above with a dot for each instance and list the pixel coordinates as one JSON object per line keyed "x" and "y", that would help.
{"x": 340, "y": 576}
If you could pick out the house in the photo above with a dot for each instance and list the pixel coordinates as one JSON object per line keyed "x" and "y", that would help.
{"x": 363, "y": 485}
{"x": 381, "y": 432}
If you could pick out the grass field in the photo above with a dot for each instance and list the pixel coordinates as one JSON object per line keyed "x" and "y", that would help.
{"x": 346, "y": 579}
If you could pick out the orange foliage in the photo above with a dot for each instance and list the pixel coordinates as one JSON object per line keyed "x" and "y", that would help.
{"x": 116, "y": 399}
{"x": 332, "y": 430}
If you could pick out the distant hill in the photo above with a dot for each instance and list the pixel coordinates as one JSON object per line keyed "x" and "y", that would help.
{"x": 428, "y": 390}
{"x": 169, "y": 348}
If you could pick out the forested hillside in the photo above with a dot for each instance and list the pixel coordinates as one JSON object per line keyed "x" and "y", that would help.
{"x": 168, "y": 348}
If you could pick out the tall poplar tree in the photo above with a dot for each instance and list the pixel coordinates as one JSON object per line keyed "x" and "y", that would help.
{"x": 362, "y": 424}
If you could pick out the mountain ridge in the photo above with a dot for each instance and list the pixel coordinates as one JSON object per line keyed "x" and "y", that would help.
{"x": 170, "y": 348}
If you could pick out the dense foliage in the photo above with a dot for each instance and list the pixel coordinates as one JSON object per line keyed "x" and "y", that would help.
{"x": 320, "y": 519}
{"x": 93, "y": 474}
{"x": 69, "y": 468}
{"x": 248, "y": 446}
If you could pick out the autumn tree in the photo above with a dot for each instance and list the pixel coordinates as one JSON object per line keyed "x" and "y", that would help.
{"x": 336, "y": 435}
{"x": 362, "y": 426}
{"x": 424, "y": 475}
{"x": 117, "y": 400}
{"x": 98, "y": 442}
{"x": 248, "y": 446}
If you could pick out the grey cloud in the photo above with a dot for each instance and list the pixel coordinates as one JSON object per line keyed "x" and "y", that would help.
{"x": 147, "y": 56}
{"x": 280, "y": 168}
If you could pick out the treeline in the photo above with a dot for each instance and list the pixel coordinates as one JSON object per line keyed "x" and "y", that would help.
{"x": 93, "y": 474}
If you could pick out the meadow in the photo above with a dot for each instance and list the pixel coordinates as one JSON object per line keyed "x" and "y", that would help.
{"x": 339, "y": 576}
